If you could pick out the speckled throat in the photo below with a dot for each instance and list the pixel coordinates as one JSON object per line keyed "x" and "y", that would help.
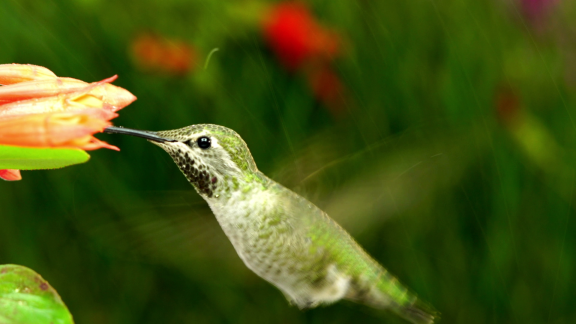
{"x": 204, "y": 180}
{"x": 212, "y": 172}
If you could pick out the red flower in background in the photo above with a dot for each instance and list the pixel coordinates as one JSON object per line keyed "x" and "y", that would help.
{"x": 295, "y": 36}
{"x": 163, "y": 55}
{"x": 537, "y": 10}
{"x": 327, "y": 88}
{"x": 508, "y": 106}
{"x": 302, "y": 44}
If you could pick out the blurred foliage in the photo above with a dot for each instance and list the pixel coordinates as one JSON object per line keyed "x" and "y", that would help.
{"x": 451, "y": 159}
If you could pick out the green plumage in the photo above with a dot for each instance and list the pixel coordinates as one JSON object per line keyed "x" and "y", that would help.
{"x": 280, "y": 235}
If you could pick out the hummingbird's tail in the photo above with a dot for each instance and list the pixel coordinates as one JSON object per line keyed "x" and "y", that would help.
{"x": 417, "y": 313}
{"x": 408, "y": 306}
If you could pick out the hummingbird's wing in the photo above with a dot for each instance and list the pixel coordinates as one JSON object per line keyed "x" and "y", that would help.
{"x": 174, "y": 228}
{"x": 363, "y": 185}
{"x": 336, "y": 266}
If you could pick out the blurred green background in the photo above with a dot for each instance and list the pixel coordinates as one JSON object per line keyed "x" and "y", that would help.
{"x": 442, "y": 140}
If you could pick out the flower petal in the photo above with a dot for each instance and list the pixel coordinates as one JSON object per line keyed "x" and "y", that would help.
{"x": 14, "y": 73}
{"x": 115, "y": 97}
{"x": 10, "y": 175}
{"x": 60, "y": 103}
{"x": 60, "y": 129}
{"x": 40, "y": 88}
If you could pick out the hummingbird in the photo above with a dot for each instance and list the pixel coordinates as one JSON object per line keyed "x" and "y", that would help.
{"x": 279, "y": 235}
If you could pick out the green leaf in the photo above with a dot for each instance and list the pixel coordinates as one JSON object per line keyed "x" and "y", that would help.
{"x": 25, "y": 158}
{"x": 25, "y": 298}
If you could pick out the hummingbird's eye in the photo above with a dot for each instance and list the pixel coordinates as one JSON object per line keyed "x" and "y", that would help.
{"x": 204, "y": 142}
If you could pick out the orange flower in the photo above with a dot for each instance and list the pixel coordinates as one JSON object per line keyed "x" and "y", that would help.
{"x": 39, "y": 109}
{"x": 163, "y": 55}
{"x": 59, "y": 129}
{"x": 14, "y": 73}
{"x": 65, "y": 102}
{"x": 39, "y": 88}
{"x": 112, "y": 95}
{"x": 92, "y": 98}
{"x": 115, "y": 96}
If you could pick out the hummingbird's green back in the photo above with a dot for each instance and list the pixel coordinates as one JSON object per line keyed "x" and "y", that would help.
{"x": 332, "y": 251}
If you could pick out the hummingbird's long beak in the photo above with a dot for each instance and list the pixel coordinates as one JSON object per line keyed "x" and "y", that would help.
{"x": 138, "y": 133}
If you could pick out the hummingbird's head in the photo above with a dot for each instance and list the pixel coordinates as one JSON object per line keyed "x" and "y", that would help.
{"x": 213, "y": 158}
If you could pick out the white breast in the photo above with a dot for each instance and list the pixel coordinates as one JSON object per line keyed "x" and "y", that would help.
{"x": 262, "y": 234}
